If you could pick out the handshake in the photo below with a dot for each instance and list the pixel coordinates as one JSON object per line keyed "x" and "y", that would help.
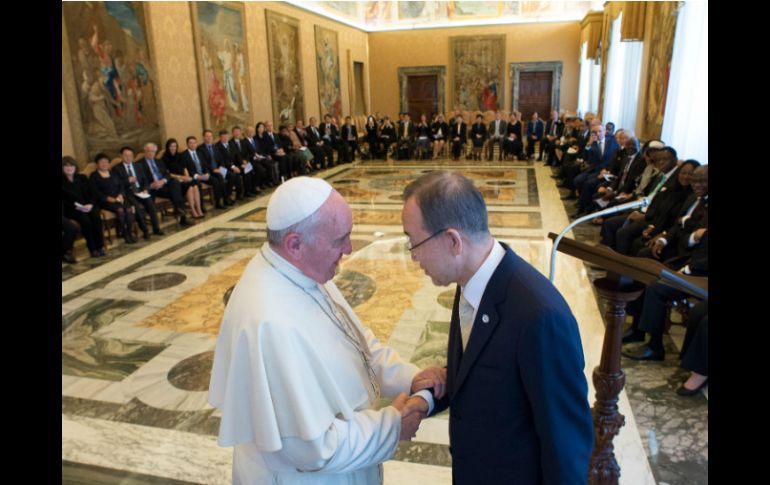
{"x": 414, "y": 409}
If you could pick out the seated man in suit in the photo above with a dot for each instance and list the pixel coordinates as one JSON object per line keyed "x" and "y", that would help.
{"x": 324, "y": 155}
{"x": 239, "y": 151}
{"x": 331, "y": 136}
{"x": 677, "y": 239}
{"x": 598, "y": 154}
{"x": 349, "y": 137}
{"x": 656, "y": 297}
{"x": 405, "y": 138}
{"x": 515, "y": 371}
{"x": 535, "y": 129}
{"x": 231, "y": 164}
{"x": 277, "y": 152}
{"x": 611, "y": 170}
{"x": 136, "y": 186}
{"x": 200, "y": 171}
{"x": 553, "y": 131}
{"x": 497, "y": 130}
{"x": 162, "y": 183}
{"x": 210, "y": 156}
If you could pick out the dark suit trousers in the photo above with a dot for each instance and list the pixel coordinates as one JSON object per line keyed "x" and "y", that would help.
{"x": 145, "y": 205}
{"x": 456, "y": 148}
{"x": 172, "y": 190}
{"x": 90, "y": 227}
{"x": 653, "y": 318}
{"x": 531, "y": 146}
{"x": 587, "y": 192}
{"x": 349, "y": 150}
{"x": 695, "y": 349}
{"x": 217, "y": 182}
{"x": 610, "y": 228}
{"x": 491, "y": 147}
{"x": 618, "y": 235}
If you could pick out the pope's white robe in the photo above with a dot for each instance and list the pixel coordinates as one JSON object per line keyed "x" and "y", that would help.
{"x": 295, "y": 396}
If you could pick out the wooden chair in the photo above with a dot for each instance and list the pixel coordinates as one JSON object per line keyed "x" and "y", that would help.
{"x": 680, "y": 307}
{"x": 89, "y": 169}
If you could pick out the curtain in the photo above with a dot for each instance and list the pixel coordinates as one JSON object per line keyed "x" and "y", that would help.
{"x": 685, "y": 122}
{"x": 624, "y": 66}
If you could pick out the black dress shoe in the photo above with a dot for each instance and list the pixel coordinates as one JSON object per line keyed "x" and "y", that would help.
{"x": 130, "y": 240}
{"x": 646, "y": 354}
{"x": 159, "y": 232}
{"x": 569, "y": 197}
{"x": 683, "y": 391}
{"x": 146, "y": 235}
{"x": 68, "y": 258}
{"x": 229, "y": 202}
{"x": 633, "y": 335}
{"x": 185, "y": 223}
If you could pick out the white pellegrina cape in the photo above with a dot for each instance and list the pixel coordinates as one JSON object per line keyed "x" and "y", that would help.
{"x": 295, "y": 395}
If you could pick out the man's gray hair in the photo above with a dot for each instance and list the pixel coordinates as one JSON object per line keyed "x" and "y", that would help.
{"x": 150, "y": 144}
{"x": 306, "y": 228}
{"x": 449, "y": 200}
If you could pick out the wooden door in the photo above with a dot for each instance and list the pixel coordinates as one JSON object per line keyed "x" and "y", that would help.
{"x": 535, "y": 95}
{"x": 422, "y": 96}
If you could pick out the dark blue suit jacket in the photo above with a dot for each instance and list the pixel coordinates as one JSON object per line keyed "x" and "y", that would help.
{"x": 598, "y": 162}
{"x": 535, "y": 129}
{"x": 518, "y": 395}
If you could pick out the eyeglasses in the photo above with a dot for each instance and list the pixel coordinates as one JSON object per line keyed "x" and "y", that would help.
{"x": 408, "y": 244}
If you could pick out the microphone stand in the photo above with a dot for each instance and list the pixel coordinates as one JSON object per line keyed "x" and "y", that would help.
{"x": 643, "y": 202}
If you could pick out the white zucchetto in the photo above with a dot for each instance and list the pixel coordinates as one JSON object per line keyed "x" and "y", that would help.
{"x": 296, "y": 199}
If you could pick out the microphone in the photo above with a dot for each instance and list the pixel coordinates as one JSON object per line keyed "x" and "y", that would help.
{"x": 639, "y": 203}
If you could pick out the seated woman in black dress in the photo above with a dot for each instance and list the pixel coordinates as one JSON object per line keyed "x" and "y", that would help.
{"x": 109, "y": 192}
{"x": 372, "y": 137}
{"x": 80, "y": 204}
{"x": 179, "y": 171}
{"x": 512, "y": 145}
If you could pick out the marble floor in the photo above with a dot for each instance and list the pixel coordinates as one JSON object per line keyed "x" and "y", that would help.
{"x": 139, "y": 328}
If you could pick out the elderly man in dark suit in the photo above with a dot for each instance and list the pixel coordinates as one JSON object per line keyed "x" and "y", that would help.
{"x": 161, "y": 182}
{"x": 515, "y": 381}
{"x": 137, "y": 187}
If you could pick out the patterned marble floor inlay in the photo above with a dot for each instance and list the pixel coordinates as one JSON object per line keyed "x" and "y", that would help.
{"x": 156, "y": 282}
{"x": 138, "y": 332}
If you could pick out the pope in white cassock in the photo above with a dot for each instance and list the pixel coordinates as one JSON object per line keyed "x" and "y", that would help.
{"x": 296, "y": 375}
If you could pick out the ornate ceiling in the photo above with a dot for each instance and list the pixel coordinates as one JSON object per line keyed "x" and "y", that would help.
{"x": 373, "y": 16}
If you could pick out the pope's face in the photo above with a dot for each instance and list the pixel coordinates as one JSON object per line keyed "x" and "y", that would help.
{"x": 332, "y": 240}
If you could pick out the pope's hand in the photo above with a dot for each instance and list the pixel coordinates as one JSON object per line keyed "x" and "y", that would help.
{"x": 412, "y": 412}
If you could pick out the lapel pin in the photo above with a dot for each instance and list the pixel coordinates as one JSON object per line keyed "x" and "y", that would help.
{"x": 485, "y": 318}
